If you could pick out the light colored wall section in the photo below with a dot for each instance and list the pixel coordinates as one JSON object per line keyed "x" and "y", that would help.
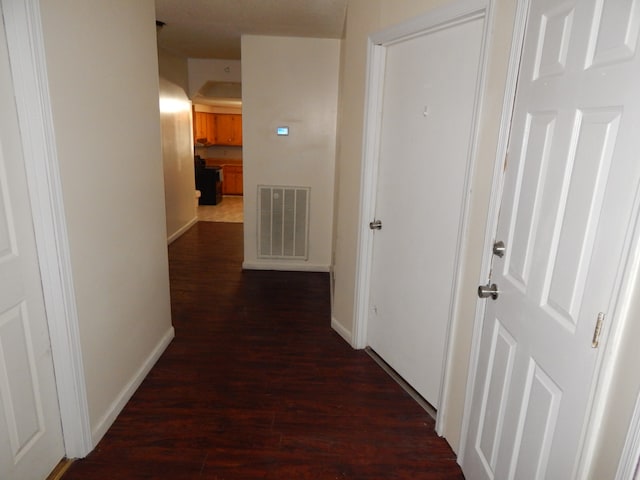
{"x": 490, "y": 117}
{"x": 623, "y": 393}
{"x": 203, "y": 70}
{"x": 392, "y": 12}
{"x": 103, "y": 78}
{"x": 365, "y": 17}
{"x": 174, "y": 69}
{"x": 177, "y": 145}
{"x": 293, "y": 82}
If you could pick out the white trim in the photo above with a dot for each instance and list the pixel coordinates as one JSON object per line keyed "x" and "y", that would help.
{"x": 345, "y": 333}
{"x": 629, "y": 466}
{"x": 286, "y": 267}
{"x": 630, "y": 458}
{"x": 181, "y": 231}
{"x": 28, "y": 66}
{"x": 130, "y": 388}
{"x": 463, "y": 240}
{"x": 372, "y": 119}
{"x": 444, "y": 17}
{"x": 611, "y": 342}
{"x": 494, "y": 207}
{"x": 332, "y": 283}
{"x": 621, "y": 304}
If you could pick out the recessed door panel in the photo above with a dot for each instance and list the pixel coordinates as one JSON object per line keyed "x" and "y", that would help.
{"x": 530, "y": 183}
{"x": 614, "y": 37}
{"x": 497, "y": 385}
{"x": 19, "y": 387}
{"x": 536, "y": 425}
{"x": 582, "y": 194}
{"x": 553, "y": 41}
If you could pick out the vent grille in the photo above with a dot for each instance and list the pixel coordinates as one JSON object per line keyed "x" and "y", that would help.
{"x": 283, "y": 217}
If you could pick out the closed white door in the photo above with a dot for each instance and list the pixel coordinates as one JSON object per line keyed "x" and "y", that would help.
{"x": 31, "y": 441}
{"x": 427, "y": 115}
{"x": 571, "y": 180}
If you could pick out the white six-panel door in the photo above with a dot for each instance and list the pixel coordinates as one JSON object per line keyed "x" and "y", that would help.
{"x": 571, "y": 180}
{"x": 31, "y": 441}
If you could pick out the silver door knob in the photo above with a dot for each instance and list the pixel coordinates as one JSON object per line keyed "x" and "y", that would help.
{"x": 499, "y": 249}
{"x": 375, "y": 225}
{"x": 486, "y": 291}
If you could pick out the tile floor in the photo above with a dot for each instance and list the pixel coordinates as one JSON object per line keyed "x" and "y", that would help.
{"x": 227, "y": 211}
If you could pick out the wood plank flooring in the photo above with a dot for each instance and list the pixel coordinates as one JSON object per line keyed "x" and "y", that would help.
{"x": 256, "y": 385}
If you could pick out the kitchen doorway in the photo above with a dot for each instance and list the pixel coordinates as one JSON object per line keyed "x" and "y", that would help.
{"x": 217, "y": 128}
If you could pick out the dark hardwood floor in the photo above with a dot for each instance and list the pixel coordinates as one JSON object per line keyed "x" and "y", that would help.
{"x": 256, "y": 385}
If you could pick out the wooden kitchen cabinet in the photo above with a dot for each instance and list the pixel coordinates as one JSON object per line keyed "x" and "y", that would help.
{"x": 203, "y": 127}
{"x": 231, "y": 174}
{"x": 228, "y": 129}
{"x": 199, "y": 130}
{"x": 217, "y": 128}
{"x": 232, "y": 179}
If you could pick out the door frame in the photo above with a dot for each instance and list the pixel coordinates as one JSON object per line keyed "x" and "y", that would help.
{"x": 630, "y": 458}
{"x": 439, "y": 18}
{"x": 29, "y": 71}
{"x": 622, "y": 295}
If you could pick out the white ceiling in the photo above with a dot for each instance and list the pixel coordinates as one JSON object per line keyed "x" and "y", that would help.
{"x": 212, "y": 28}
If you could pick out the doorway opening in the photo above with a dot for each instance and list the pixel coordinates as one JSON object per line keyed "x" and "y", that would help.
{"x": 217, "y": 135}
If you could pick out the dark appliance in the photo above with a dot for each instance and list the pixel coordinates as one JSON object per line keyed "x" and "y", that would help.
{"x": 209, "y": 182}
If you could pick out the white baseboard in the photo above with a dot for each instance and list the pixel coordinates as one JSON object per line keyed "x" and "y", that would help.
{"x": 285, "y": 267}
{"x": 343, "y": 332}
{"x": 127, "y": 392}
{"x": 174, "y": 236}
{"x": 332, "y": 283}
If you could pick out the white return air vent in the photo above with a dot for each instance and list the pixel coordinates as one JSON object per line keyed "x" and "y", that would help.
{"x": 283, "y": 222}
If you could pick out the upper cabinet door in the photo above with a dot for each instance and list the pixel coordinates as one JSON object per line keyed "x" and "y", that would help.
{"x": 228, "y": 129}
{"x": 203, "y": 128}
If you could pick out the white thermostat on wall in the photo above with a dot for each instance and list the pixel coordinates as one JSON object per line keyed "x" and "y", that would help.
{"x": 282, "y": 131}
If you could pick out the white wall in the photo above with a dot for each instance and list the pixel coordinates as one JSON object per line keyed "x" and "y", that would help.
{"x": 290, "y": 82}
{"x": 103, "y": 78}
{"x": 623, "y": 393}
{"x": 365, "y": 17}
{"x": 203, "y": 70}
{"x": 177, "y": 145}
{"x": 174, "y": 68}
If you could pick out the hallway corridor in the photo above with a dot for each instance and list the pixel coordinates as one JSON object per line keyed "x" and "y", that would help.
{"x": 256, "y": 385}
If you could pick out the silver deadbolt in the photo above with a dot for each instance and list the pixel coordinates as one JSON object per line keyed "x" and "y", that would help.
{"x": 499, "y": 249}
{"x": 375, "y": 225}
{"x": 486, "y": 291}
